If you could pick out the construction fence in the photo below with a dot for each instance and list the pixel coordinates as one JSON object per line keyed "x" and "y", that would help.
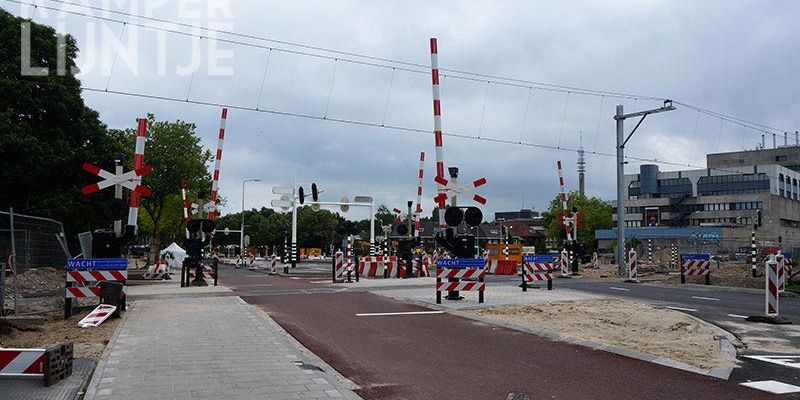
{"x": 35, "y": 241}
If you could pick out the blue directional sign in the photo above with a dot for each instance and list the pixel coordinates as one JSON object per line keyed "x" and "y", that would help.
{"x": 460, "y": 263}
{"x": 97, "y": 263}
{"x": 787, "y": 255}
{"x": 538, "y": 259}
{"x": 696, "y": 256}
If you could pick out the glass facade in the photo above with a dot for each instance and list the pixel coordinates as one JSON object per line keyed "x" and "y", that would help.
{"x": 732, "y": 184}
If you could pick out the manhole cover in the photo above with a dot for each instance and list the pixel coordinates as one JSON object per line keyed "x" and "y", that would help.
{"x": 518, "y": 396}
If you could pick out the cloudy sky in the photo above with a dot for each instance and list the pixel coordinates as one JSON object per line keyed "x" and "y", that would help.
{"x": 736, "y": 58}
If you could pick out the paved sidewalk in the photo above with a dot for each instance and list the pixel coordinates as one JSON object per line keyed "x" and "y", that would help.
{"x": 208, "y": 348}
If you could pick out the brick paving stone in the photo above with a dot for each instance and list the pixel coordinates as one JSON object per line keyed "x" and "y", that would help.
{"x": 207, "y": 348}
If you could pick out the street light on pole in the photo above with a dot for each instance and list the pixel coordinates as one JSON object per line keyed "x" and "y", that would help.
{"x": 241, "y": 233}
{"x": 620, "y": 117}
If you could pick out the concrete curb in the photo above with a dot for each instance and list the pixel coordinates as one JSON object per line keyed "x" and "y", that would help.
{"x": 332, "y": 376}
{"x": 91, "y": 389}
{"x": 726, "y": 347}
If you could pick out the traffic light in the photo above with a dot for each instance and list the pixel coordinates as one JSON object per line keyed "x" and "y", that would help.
{"x": 301, "y": 194}
{"x": 759, "y": 217}
{"x": 314, "y": 193}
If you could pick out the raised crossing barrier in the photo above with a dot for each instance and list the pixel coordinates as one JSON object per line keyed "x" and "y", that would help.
{"x": 537, "y": 268}
{"x": 92, "y": 271}
{"x": 455, "y": 270}
{"x": 696, "y": 265}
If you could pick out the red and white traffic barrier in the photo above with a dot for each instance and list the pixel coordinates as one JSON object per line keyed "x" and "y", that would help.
{"x": 424, "y": 270}
{"x": 338, "y": 262}
{"x": 96, "y": 276}
{"x": 159, "y": 270}
{"x": 563, "y": 263}
{"x": 371, "y": 267}
{"x": 22, "y": 362}
{"x": 537, "y": 271}
{"x": 772, "y": 283}
{"x": 208, "y": 272}
{"x": 87, "y": 292}
{"x": 273, "y": 265}
{"x": 633, "y": 266}
{"x": 218, "y": 162}
{"x": 393, "y": 266}
{"x": 437, "y": 130}
{"x": 97, "y": 316}
{"x": 138, "y": 164}
{"x": 460, "y": 285}
{"x": 697, "y": 267}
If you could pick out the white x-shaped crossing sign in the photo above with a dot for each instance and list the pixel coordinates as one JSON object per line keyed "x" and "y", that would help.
{"x": 203, "y": 207}
{"x": 451, "y": 190}
{"x": 129, "y": 180}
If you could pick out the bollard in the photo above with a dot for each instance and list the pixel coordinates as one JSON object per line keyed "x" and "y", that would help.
{"x": 683, "y": 271}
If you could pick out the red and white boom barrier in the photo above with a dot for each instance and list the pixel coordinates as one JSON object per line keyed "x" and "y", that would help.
{"x": 218, "y": 162}
{"x": 138, "y": 164}
{"x": 437, "y": 130}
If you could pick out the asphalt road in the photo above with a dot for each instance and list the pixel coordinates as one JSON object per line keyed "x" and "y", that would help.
{"x": 441, "y": 356}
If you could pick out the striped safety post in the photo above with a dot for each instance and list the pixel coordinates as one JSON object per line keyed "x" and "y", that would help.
{"x": 753, "y": 252}
{"x": 563, "y": 262}
{"x": 338, "y": 266}
{"x": 650, "y": 251}
{"x": 285, "y": 255}
{"x": 772, "y": 295}
{"x": 456, "y": 283}
{"x": 273, "y": 265}
{"x": 138, "y": 163}
{"x": 218, "y": 162}
{"x": 595, "y": 264}
{"x": 537, "y": 269}
{"x": 418, "y": 211}
{"x": 633, "y": 267}
{"x": 437, "y": 130}
{"x": 781, "y": 260}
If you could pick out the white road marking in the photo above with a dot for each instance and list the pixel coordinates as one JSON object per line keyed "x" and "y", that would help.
{"x": 618, "y": 288}
{"x": 773, "y": 387}
{"x": 792, "y": 361}
{"x": 681, "y": 308}
{"x": 705, "y": 298}
{"x": 294, "y": 277}
{"x": 737, "y": 316}
{"x": 399, "y": 313}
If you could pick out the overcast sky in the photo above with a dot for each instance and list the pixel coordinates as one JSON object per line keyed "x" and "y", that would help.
{"x": 734, "y": 57}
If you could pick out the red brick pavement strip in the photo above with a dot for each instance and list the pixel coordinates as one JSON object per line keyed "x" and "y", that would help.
{"x": 449, "y": 357}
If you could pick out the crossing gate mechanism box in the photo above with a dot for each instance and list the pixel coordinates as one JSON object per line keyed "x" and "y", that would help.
{"x": 456, "y": 270}
{"x": 83, "y": 277}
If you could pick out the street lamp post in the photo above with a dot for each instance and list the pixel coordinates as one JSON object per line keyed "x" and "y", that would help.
{"x": 620, "y": 117}
{"x": 241, "y": 231}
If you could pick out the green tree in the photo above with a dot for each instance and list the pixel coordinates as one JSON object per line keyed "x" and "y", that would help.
{"x": 174, "y": 151}
{"x": 594, "y": 214}
{"x": 48, "y": 133}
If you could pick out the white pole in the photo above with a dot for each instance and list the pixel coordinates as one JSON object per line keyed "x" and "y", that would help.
{"x": 293, "y": 245}
{"x": 241, "y": 230}
{"x": 372, "y": 227}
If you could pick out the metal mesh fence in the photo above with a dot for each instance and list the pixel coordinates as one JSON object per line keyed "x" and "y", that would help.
{"x": 37, "y": 242}
{"x": 659, "y": 250}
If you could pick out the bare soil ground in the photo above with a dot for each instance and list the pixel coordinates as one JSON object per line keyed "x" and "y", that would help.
{"x": 41, "y": 293}
{"x": 622, "y": 323}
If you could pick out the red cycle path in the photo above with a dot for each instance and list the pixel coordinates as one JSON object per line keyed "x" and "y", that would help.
{"x": 443, "y": 356}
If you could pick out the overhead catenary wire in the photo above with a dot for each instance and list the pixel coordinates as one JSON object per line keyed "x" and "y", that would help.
{"x": 399, "y": 128}
{"x": 375, "y": 61}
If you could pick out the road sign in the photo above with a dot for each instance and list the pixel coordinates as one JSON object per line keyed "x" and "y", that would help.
{"x": 452, "y": 190}
{"x": 344, "y": 207}
{"x": 696, "y": 256}
{"x": 282, "y": 190}
{"x": 460, "y": 263}
{"x": 285, "y": 204}
{"x": 538, "y": 258}
{"x": 97, "y": 263}
{"x": 362, "y": 199}
{"x": 126, "y": 180}
{"x": 247, "y": 240}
